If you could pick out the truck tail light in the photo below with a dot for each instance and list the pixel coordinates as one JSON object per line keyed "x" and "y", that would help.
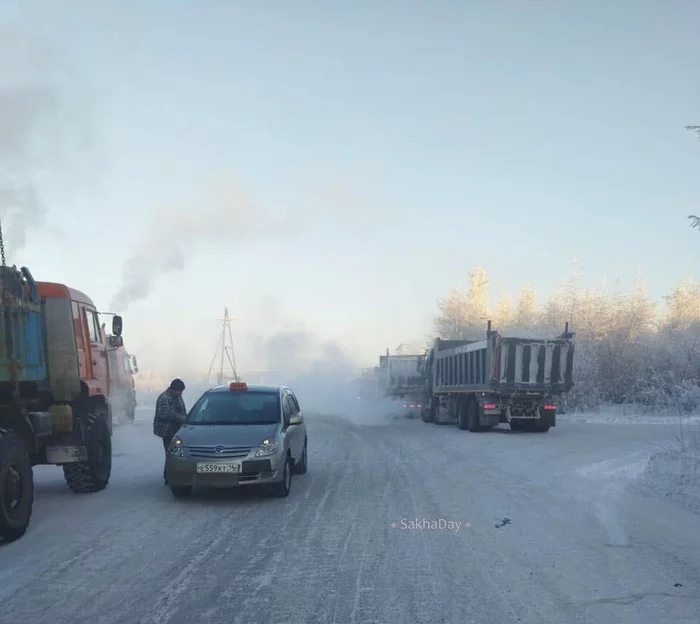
{"x": 490, "y": 406}
{"x": 550, "y": 406}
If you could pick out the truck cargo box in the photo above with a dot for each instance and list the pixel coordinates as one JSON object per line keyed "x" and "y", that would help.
{"x": 404, "y": 371}
{"x": 504, "y": 364}
{"x": 27, "y": 334}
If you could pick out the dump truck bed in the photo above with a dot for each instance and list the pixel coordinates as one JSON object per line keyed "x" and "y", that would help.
{"x": 27, "y": 330}
{"x": 404, "y": 371}
{"x": 504, "y": 364}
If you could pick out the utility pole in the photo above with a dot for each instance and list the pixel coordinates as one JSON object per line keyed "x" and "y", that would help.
{"x": 224, "y": 352}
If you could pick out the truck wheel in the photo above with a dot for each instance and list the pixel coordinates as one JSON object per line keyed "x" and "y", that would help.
{"x": 93, "y": 474}
{"x": 473, "y": 417}
{"x": 426, "y": 412}
{"x": 462, "y": 416}
{"x": 16, "y": 487}
{"x": 435, "y": 414}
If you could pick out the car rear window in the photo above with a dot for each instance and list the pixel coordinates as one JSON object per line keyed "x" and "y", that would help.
{"x": 236, "y": 408}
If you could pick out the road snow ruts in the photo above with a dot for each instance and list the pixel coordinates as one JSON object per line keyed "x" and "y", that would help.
{"x": 553, "y": 536}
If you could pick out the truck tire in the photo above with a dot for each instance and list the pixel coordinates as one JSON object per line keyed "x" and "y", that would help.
{"x": 473, "y": 417}
{"x": 425, "y": 415}
{"x": 93, "y": 474}
{"x": 462, "y": 415}
{"x": 16, "y": 487}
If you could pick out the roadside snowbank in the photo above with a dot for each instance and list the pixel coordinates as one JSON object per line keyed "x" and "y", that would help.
{"x": 672, "y": 472}
{"x": 676, "y": 476}
{"x": 627, "y": 414}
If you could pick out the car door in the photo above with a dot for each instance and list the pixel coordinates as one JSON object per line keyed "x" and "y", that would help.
{"x": 289, "y": 430}
{"x": 301, "y": 429}
{"x": 296, "y": 431}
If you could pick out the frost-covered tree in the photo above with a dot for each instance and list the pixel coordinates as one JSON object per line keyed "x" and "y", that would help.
{"x": 503, "y": 314}
{"x": 684, "y": 304}
{"x": 464, "y": 315}
{"x": 451, "y": 319}
{"x": 527, "y": 313}
{"x": 477, "y": 304}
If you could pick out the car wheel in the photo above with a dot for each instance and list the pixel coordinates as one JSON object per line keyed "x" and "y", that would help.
{"x": 302, "y": 465}
{"x": 283, "y": 488}
{"x": 181, "y": 491}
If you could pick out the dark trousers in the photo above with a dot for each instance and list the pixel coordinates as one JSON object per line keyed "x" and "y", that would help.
{"x": 166, "y": 443}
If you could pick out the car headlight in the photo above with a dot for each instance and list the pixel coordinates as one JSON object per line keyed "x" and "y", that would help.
{"x": 176, "y": 448}
{"x": 266, "y": 448}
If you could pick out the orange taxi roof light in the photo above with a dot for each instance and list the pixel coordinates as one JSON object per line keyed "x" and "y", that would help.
{"x": 238, "y": 385}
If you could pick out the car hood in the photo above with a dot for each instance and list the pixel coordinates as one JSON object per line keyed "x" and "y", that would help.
{"x": 227, "y": 435}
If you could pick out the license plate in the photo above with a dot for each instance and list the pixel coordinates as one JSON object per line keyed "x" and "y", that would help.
{"x": 227, "y": 467}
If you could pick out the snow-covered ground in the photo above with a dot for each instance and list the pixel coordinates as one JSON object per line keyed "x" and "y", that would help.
{"x": 396, "y": 521}
{"x": 625, "y": 414}
{"x": 672, "y": 469}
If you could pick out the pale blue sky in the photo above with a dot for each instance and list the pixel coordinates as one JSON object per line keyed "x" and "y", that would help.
{"x": 515, "y": 135}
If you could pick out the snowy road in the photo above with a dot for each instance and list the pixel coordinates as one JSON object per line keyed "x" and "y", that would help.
{"x": 547, "y": 533}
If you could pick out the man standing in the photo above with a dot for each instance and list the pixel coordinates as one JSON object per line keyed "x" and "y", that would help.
{"x": 170, "y": 414}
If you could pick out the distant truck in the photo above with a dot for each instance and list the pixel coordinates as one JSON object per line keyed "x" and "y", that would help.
{"x": 54, "y": 386}
{"x": 402, "y": 381}
{"x": 480, "y": 384}
{"x": 122, "y": 390}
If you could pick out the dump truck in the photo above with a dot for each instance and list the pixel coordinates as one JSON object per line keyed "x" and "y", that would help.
{"x": 402, "y": 381}
{"x": 481, "y": 384}
{"x": 54, "y": 388}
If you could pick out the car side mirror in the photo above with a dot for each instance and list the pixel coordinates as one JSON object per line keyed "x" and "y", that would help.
{"x": 116, "y": 341}
{"x": 296, "y": 420}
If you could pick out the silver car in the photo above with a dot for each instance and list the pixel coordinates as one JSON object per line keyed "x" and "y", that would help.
{"x": 238, "y": 435}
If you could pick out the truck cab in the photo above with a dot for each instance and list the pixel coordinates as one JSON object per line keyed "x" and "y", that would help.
{"x": 55, "y": 383}
{"x": 122, "y": 392}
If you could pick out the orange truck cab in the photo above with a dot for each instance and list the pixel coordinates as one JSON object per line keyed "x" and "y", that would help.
{"x": 122, "y": 390}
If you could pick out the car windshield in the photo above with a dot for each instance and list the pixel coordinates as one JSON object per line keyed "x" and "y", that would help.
{"x": 236, "y": 408}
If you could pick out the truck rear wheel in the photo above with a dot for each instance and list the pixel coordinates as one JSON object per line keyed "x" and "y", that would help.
{"x": 92, "y": 475}
{"x": 462, "y": 415}
{"x": 16, "y": 487}
{"x": 473, "y": 417}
